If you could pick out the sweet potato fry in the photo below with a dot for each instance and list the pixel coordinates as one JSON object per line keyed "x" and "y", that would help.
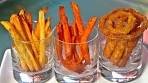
{"x": 77, "y": 54}
{"x": 77, "y": 17}
{"x": 89, "y": 28}
{"x": 66, "y": 32}
{"x": 76, "y": 67}
{"x": 59, "y": 45}
{"x": 84, "y": 37}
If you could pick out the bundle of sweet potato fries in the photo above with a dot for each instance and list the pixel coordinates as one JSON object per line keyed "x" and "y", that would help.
{"x": 72, "y": 49}
{"x": 29, "y": 38}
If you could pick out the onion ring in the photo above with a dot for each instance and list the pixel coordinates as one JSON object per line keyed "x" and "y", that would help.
{"x": 123, "y": 25}
{"x": 134, "y": 30}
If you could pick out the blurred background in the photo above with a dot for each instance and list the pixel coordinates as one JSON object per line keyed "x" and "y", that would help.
{"x": 88, "y": 7}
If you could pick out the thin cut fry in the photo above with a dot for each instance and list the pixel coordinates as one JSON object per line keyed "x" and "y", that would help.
{"x": 14, "y": 19}
{"x": 29, "y": 43}
{"x": 84, "y": 47}
{"x": 66, "y": 32}
{"x": 77, "y": 17}
{"x": 32, "y": 50}
{"x": 37, "y": 30}
{"x": 41, "y": 20}
{"x": 14, "y": 35}
{"x": 47, "y": 27}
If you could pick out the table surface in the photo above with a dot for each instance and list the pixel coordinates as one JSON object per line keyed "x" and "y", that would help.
{"x": 88, "y": 8}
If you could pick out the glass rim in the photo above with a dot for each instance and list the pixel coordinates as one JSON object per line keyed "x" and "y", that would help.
{"x": 88, "y": 41}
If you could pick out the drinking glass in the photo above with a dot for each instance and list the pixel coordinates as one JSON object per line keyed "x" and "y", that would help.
{"x": 125, "y": 67}
{"x": 76, "y": 62}
{"x": 32, "y": 60}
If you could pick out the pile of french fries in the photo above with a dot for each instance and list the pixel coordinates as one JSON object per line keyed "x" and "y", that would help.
{"x": 29, "y": 38}
{"x": 74, "y": 52}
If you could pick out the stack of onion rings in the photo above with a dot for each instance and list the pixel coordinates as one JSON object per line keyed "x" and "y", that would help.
{"x": 121, "y": 27}
{"x": 133, "y": 23}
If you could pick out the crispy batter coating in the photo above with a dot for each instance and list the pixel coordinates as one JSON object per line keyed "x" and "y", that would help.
{"x": 122, "y": 29}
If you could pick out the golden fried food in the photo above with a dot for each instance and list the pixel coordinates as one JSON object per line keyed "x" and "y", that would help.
{"x": 138, "y": 26}
{"x": 118, "y": 51}
{"x": 130, "y": 45}
{"x": 29, "y": 42}
{"x": 125, "y": 26}
{"x": 109, "y": 47}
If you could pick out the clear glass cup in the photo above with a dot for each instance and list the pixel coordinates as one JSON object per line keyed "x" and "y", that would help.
{"x": 76, "y": 62}
{"x": 122, "y": 63}
{"x": 32, "y": 61}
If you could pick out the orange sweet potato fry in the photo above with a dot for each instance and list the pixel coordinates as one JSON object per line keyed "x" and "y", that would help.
{"x": 84, "y": 37}
{"x": 59, "y": 45}
{"x": 66, "y": 31}
{"x": 77, "y": 17}
{"x": 78, "y": 56}
{"x": 73, "y": 66}
{"x": 89, "y": 28}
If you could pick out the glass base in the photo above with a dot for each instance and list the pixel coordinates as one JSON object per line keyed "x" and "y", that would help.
{"x": 120, "y": 76}
{"x": 37, "y": 77}
{"x": 70, "y": 79}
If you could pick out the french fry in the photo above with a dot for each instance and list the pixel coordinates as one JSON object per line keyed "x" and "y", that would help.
{"x": 31, "y": 53}
{"x": 20, "y": 47}
{"x": 37, "y": 30}
{"x": 124, "y": 59}
{"x": 118, "y": 51}
{"x": 28, "y": 18}
{"x": 37, "y": 27}
{"x": 14, "y": 19}
{"x": 36, "y": 43}
{"x": 41, "y": 20}
{"x": 47, "y": 27}
{"x": 23, "y": 65}
{"x": 109, "y": 47}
